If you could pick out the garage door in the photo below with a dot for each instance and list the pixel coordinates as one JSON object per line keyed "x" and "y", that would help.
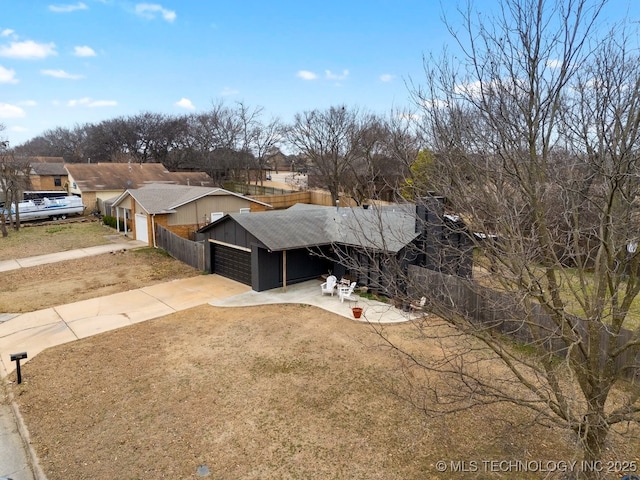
{"x": 231, "y": 263}
{"x": 142, "y": 232}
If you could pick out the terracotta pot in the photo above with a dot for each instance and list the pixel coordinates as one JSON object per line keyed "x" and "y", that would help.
{"x": 357, "y": 312}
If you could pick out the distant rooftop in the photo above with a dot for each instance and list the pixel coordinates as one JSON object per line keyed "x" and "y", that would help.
{"x": 122, "y": 176}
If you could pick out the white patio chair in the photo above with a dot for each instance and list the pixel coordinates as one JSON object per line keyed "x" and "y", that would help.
{"x": 346, "y": 293}
{"x": 330, "y": 285}
{"x": 418, "y": 306}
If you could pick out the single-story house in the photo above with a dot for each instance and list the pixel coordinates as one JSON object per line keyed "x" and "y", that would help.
{"x": 273, "y": 249}
{"x": 98, "y": 183}
{"x": 181, "y": 209}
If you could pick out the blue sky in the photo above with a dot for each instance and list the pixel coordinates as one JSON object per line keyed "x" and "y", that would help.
{"x": 68, "y": 63}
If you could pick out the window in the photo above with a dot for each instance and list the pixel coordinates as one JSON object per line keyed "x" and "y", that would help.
{"x": 57, "y": 181}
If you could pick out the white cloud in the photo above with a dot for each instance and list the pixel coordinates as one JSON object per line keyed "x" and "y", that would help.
{"x": 7, "y": 32}
{"x": 7, "y": 75}
{"x": 10, "y": 111}
{"x": 28, "y": 50}
{"x": 306, "y": 75}
{"x": 386, "y": 77}
{"x": 61, "y": 74}
{"x": 554, "y": 63}
{"x": 335, "y": 76}
{"x": 226, "y": 91}
{"x": 89, "y": 102}
{"x": 472, "y": 89}
{"x": 29, "y": 103}
{"x": 84, "y": 51}
{"x": 185, "y": 103}
{"x": 102, "y": 103}
{"x": 149, "y": 10}
{"x": 68, "y": 7}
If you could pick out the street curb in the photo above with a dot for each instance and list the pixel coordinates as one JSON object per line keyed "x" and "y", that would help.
{"x": 36, "y": 470}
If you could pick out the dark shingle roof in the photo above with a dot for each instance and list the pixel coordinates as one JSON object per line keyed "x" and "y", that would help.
{"x": 301, "y": 226}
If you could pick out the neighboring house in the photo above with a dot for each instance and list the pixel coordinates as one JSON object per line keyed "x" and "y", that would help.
{"x": 181, "y": 209}
{"x": 276, "y": 248}
{"x": 97, "y": 183}
{"x": 41, "y": 173}
{"x": 48, "y": 176}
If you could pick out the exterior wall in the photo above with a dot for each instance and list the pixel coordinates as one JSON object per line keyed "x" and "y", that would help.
{"x": 90, "y": 198}
{"x": 199, "y": 212}
{"x": 90, "y": 201}
{"x": 184, "y": 231}
{"x": 47, "y": 182}
{"x": 228, "y": 231}
{"x": 73, "y": 188}
{"x": 162, "y": 220}
{"x": 107, "y": 194}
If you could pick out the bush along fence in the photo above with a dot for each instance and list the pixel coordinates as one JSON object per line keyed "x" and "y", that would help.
{"x": 191, "y": 253}
{"x": 113, "y": 222}
{"x": 504, "y": 314}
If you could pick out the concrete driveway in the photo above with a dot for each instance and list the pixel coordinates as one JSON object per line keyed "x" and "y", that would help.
{"x": 35, "y": 331}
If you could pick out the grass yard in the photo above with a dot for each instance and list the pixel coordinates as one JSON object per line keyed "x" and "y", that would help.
{"x": 52, "y": 284}
{"x": 35, "y": 239}
{"x": 269, "y": 392}
{"x": 570, "y": 291}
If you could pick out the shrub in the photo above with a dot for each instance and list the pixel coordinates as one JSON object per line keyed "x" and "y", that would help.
{"x": 112, "y": 221}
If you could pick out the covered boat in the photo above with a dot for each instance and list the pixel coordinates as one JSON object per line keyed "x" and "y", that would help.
{"x": 47, "y": 208}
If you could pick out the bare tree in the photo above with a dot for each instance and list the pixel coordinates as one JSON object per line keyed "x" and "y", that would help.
{"x": 264, "y": 143}
{"x": 14, "y": 179}
{"x": 3, "y": 219}
{"x": 535, "y": 135}
{"x": 330, "y": 140}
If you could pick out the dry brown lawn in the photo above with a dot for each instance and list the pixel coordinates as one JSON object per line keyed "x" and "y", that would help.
{"x": 269, "y": 392}
{"x": 38, "y": 239}
{"x": 279, "y": 391}
{"x": 48, "y": 285}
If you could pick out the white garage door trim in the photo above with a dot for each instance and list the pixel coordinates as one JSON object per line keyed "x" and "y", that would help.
{"x": 142, "y": 231}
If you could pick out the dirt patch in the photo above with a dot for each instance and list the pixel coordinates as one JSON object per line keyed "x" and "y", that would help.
{"x": 43, "y": 286}
{"x": 279, "y": 391}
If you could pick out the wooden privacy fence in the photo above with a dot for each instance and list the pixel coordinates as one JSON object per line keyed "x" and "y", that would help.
{"x": 191, "y": 253}
{"x": 279, "y": 198}
{"x": 503, "y": 313}
{"x": 251, "y": 189}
